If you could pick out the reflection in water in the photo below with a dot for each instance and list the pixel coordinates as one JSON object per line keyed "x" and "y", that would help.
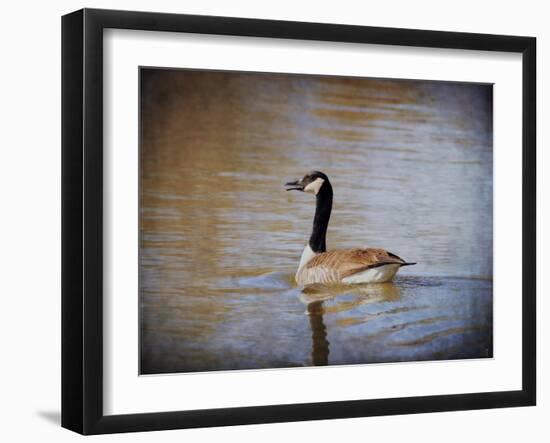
{"x": 220, "y": 239}
{"x": 314, "y": 296}
{"x": 320, "y": 344}
{"x": 366, "y": 293}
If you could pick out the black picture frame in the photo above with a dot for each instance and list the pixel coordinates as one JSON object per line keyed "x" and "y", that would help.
{"x": 82, "y": 220}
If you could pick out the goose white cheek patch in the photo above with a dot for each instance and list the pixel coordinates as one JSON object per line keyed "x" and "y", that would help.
{"x": 314, "y": 186}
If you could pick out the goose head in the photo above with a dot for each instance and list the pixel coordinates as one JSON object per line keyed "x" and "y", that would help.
{"x": 313, "y": 182}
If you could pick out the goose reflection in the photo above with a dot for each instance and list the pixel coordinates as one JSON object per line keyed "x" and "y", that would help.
{"x": 315, "y": 297}
{"x": 320, "y": 344}
{"x": 367, "y": 293}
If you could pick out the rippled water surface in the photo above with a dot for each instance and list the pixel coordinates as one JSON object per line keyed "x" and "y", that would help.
{"x": 220, "y": 239}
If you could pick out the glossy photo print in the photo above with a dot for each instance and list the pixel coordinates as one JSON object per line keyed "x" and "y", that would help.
{"x": 292, "y": 220}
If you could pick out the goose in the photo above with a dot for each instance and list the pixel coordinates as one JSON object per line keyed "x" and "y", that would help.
{"x": 348, "y": 266}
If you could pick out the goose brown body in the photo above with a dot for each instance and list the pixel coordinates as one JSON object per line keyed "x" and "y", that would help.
{"x": 340, "y": 264}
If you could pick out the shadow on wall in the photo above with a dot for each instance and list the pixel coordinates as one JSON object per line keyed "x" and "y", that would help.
{"x": 54, "y": 417}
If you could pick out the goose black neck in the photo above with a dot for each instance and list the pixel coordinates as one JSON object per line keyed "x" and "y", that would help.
{"x": 317, "y": 241}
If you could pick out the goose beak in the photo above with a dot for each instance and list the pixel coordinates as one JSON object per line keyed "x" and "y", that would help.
{"x": 294, "y": 186}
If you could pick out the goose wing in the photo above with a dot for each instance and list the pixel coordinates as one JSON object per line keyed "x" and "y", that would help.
{"x": 333, "y": 266}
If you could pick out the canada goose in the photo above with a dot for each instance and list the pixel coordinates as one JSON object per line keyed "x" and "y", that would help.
{"x": 349, "y": 266}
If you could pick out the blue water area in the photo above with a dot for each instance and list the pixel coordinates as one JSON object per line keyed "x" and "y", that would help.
{"x": 271, "y": 323}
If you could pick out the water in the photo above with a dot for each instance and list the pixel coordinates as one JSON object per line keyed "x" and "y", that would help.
{"x": 220, "y": 238}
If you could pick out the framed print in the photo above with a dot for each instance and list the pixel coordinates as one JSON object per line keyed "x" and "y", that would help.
{"x": 269, "y": 221}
